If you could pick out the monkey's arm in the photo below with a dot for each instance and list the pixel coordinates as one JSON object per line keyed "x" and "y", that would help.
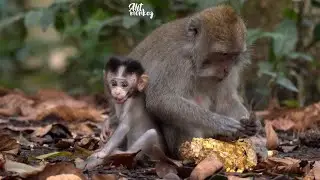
{"x": 228, "y": 102}
{"x": 176, "y": 110}
{"x": 232, "y": 106}
{"x": 109, "y": 124}
{"x": 116, "y": 138}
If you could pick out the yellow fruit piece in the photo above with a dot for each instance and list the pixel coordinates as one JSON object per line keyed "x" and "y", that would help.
{"x": 236, "y": 156}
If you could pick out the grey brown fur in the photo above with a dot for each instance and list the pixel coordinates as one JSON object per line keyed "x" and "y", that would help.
{"x": 136, "y": 130}
{"x": 173, "y": 55}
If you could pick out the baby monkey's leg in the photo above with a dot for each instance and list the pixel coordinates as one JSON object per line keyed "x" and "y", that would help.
{"x": 145, "y": 143}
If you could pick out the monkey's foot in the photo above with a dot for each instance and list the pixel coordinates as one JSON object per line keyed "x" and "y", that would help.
{"x": 94, "y": 160}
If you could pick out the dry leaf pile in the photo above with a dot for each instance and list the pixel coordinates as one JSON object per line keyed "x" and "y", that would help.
{"x": 55, "y": 106}
{"x": 299, "y": 119}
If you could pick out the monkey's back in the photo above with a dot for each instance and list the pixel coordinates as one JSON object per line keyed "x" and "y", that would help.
{"x": 170, "y": 34}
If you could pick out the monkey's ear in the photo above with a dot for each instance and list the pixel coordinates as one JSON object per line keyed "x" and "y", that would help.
{"x": 142, "y": 82}
{"x": 193, "y": 26}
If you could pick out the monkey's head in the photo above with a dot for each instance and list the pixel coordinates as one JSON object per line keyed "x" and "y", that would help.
{"x": 218, "y": 37}
{"x": 124, "y": 77}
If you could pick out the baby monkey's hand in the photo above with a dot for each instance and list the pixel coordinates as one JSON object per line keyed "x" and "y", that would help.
{"x": 106, "y": 131}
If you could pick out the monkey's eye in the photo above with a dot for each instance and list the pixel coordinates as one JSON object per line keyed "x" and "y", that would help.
{"x": 124, "y": 84}
{"x": 113, "y": 83}
{"x": 206, "y": 62}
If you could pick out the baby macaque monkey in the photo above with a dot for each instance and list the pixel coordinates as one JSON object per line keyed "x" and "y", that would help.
{"x": 126, "y": 81}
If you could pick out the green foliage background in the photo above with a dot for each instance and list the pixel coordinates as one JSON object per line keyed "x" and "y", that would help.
{"x": 96, "y": 29}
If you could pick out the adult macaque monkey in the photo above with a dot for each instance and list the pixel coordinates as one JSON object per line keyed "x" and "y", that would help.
{"x": 197, "y": 58}
{"x": 126, "y": 82}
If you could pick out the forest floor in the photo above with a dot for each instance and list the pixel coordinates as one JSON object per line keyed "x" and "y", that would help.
{"x": 45, "y": 136}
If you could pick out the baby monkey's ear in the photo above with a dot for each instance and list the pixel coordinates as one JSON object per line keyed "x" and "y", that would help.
{"x": 142, "y": 82}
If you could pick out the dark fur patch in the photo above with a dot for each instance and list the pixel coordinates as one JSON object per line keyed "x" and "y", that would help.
{"x": 113, "y": 64}
{"x": 134, "y": 66}
{"x": 131, "y": 65}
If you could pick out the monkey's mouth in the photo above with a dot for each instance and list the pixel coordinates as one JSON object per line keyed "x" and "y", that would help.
{"x": 121, "y": 100}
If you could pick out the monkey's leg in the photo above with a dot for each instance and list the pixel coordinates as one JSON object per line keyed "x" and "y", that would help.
{"x": 145, "y": 143}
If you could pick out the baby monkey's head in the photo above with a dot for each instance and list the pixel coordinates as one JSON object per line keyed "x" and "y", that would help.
{"x": 124, "y": 77}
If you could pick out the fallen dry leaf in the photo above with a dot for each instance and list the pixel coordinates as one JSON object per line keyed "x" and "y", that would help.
{"x": 271, "y": 135}
{"x": 8, "y": 145}
{"x": 16, "y": 104}
{"x": 298, "y": 119}
{"x": 104, "y": 177}
{"x": 20, "y": 168}
{"x": 96, "y": 100}
{"x": 42, "y": 108}
{"x": 88, "y": 143}
{"x": 316, "y": 170}
{"x": 124, "y": 159}
{"x": 206, "y": 168}
{"x": 81, "y": 129}
{"x": 283, "y": 124}
{"x": 64, "y": 177}
{"x": 57, "y": 131}
{"x": 64, "y": 143}
{"x": 314, "y": 173}
{"x": 163, "y": 168}
{"x": 281, "y": 165}
{"x": 51, "y": 94}
{"x": 41, "y": 131}
{"x": 57, "y": 169}
{"x": 68, "y": 113}
{"x": 9, "y": 112}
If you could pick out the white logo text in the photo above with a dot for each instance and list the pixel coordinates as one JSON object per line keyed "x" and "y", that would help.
{"x": 136, "y": 9}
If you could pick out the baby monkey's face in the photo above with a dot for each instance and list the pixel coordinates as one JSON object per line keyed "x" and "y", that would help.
{"x": 122, "y": 87}
{"x": 124, "y": 78}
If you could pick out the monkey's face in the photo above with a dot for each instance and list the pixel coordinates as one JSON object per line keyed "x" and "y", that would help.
{"x": 218, "y": 65}
{"x": 121, "y": 87}
{"x": 218, "y": 38}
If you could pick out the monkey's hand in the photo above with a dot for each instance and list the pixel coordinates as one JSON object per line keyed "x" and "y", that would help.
{"x": 106, "y": 131}
{"x": 250, "y": 126}
{"x": 234, "y": 129}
